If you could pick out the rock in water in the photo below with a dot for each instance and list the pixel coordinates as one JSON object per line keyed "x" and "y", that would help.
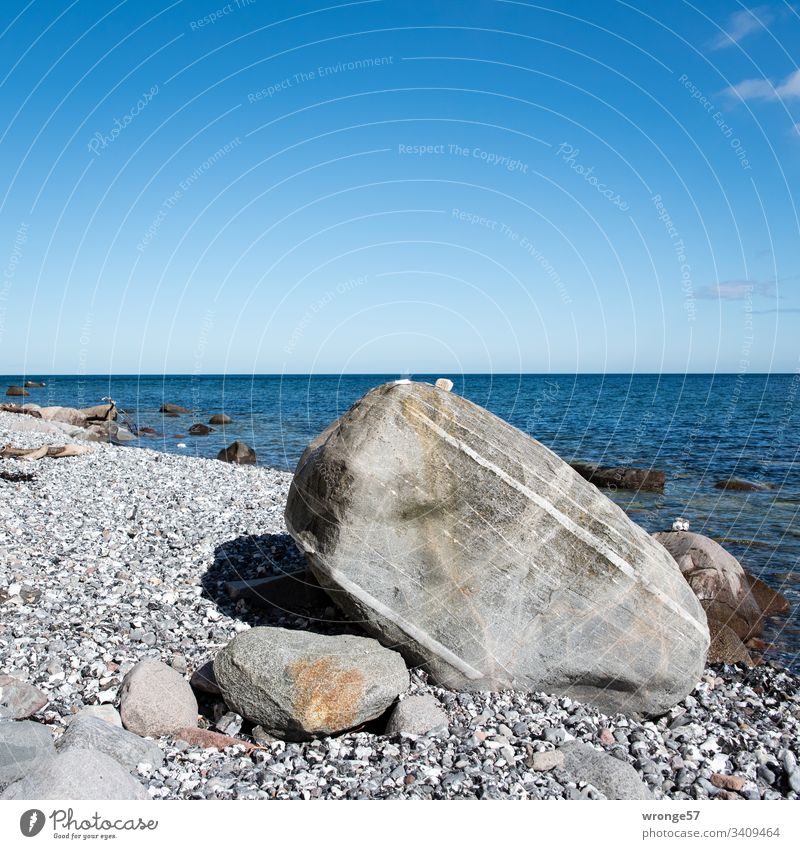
{"x": 717, "y": 579}
{"x": 156, "y": 700}
{"x": 16, "y": 391}
{"x": 200, "y": 429}
{"x": 220, "y": 419}
{"x": 621, "y": 477}
{"x": 173, "y": 409}
{"x": 298, "y": 685}
{"x": 238, "y": 452}
{"x": 483, "y": 556}
{"x": 77, "y": 774}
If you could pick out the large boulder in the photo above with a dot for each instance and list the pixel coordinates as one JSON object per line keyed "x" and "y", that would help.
{"x": 81, "y": 774}
{"x": 484, "y": 557}
{"x": 156, "y": 700}
{"x": 718, "y": 580}
{"x": 100, "y": 412}
{"x": 16, "y": 392}
{"x": 298, "y": 685}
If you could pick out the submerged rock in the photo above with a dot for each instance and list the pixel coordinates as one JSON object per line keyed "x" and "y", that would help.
{"x": 741, "y": 485}
{"x": 220, "y": 419}
{"x": 200, "y": 429}
{"x": 16, "y": 392}
{"x": 298, "y": 685}
{"x": 173, "y": 409}
{"x": 482, "y": 556}
{"x": 621, "y": 477}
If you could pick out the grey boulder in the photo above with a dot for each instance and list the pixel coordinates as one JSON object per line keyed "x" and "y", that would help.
{"x": 615, "y": 779}
{"x": 417, "y": 715}
{"x": 108, "y": 713}
{"x": 717, "y": 578}
{"x": 298, "y": 685}
{"x": 24, "y": 746}
{"x": 128, "y": 750}
{"x": 239, "y": 453}
{"x": 18, "y": 699}
{"x": 81, "y": 774}
{"x": 156, "y": 700}
{"x": 485, "y": 558}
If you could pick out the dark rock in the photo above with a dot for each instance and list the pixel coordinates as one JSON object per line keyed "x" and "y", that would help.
{"x": 18, "y": 699}
{"x": 200, "y": 430}
{"x": 239, "y": 453}
{"x": 16, "y": 391}
{"x": 294, "y": 592}
{"x": 77, "y": 774}
{"x": 741, "y": 485}
{"x": 24, "y": 746}
{"x": 298, "y": 685}
{"x": 479, "y": 554}
{"x": 220, "y": 419}
{"x": 619, "y": 477}
{"x": 34, "y": 384}
{"x": 173, "y": 409}
{"x": 203, "y": 679}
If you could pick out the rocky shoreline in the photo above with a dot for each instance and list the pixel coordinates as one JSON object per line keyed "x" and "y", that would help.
{"x": 118, "y": 556}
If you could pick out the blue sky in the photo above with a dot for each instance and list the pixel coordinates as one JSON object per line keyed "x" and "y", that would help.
{"x": 206, "y": 187}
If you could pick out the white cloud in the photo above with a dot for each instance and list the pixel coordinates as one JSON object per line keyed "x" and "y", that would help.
{"x": 761, "y": 89}
{"x": 741, "y": 24}
{"x": 737, "y": 290}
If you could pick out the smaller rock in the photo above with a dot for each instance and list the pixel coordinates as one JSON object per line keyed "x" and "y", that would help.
{"x": 444, "y": 383}
{"x": 417, "y": 715}
{"x": 621, "y": 477}
{"x": 206, "y": 739}
{"x": 81, "y": 774}
{"x": 178, "y": 663}
{"x": 728, "y": 782}
{"x": 128, "y": 750}
{"x": 229, "y": 723}
{"x": 220, "y": 419}
{"x": 239, "y": 453}
{"x": 545, "y": 761}
{"x": 606, "y": 737}
{"x": 203, "y": 679}
{"x": 24, "y": 746}
{"x": 18, "y": 699}
{"x": 156, "y": 700}
{"x": 200, "y": 429}
{"x": 108, "y": 713}
{"x": 614, "y": 778}
{"x": 262, "y": 737}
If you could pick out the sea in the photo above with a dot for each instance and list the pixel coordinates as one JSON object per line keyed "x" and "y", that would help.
{"x": 699, "y": 429}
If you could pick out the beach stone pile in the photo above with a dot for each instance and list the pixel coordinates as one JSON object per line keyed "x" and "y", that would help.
{"x": 165, "y": 639}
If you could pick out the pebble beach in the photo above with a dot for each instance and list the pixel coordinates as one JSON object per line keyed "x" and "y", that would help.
{"x": 122, "y": 554}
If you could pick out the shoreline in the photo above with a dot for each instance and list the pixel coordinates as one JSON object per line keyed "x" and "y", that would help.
{"x": 130, "y": 552}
